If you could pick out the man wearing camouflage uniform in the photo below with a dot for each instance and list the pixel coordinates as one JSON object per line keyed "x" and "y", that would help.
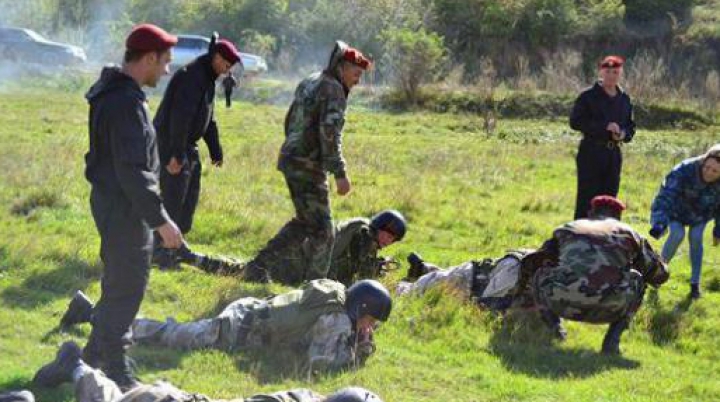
{"x": 596, "y": 270}
{"x": 354, "y": 256}
{"x": 91, "y": 385}
{"x": 332, "y": 325}
{"x": 593, "y": 270}
{"x": 312, "y": 149}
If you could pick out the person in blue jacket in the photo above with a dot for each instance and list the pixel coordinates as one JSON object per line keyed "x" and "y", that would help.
{"x": 689, "y": 196}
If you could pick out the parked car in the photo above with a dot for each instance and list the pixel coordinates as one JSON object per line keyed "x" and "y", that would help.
{"x": 26, "y": 45}
{"x": 191, "y": 46}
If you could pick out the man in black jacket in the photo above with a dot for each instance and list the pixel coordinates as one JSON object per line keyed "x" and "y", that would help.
{"x": 122, "y": 167}
{"x": 184, "y": 116}
{"x": 603, "y": 113}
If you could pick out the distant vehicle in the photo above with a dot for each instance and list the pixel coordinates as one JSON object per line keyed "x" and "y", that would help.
{"x": 191, "y": 46}
{"x": 26, "y": 45}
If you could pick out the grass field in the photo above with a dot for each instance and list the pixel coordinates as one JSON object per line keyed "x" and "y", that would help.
{"x": 466, "y": 194}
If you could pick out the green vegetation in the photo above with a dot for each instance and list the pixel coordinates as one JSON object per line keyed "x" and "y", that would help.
{"x": 467, "y": 195}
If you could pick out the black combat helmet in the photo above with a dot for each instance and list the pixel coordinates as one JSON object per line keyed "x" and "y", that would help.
{"x": 390, "y": 221}
{"x": 353, "y": 394}
{"x": 368, "y": 297}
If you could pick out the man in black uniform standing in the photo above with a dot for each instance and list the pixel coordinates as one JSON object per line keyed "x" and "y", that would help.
{"x": 122, "y": 167}
{"x": 603, "y": 113}
{"x": 184, "y": 116}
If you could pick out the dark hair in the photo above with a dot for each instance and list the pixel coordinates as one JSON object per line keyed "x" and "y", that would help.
{"x": 135, "y": 55}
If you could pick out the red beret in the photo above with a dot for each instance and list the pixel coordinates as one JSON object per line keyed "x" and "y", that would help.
{"x": 149, "y": 38}
{"x": 227, "y": 50}
{"x": 612, "y": 62}
{"x": 606, "y": 201}
{"x": 356, "y": 57}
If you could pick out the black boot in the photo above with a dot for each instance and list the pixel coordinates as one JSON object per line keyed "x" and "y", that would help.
{"x": 79, "y": 311}
{"x": 61, "y": 369}
{"x": 417, "y": 266}
{"x": 695, "y": 291}
{"x": 611, "y": 343}
{"x": 165, "y": 258}
{"x": 253, "y": 272}
{"x": 554, "y": 323}
{"x": 118, "y": 370}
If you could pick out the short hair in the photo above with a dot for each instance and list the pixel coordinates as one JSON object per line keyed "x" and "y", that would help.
{"x": 135, "y": 55}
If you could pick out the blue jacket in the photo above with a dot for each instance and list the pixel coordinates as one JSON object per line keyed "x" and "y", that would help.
{"x": 684, "y": 197}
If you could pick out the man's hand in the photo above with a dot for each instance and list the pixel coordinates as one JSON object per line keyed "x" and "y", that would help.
{"x": 613, "y": 127}
{"x": 618, "y": 136}
{"x": 217, "y": 163}
{"x": 343, "y": 185}
{"x": 657, "y": 231}
{"x": 173, "y": 167}
{"x": 170, "y": 234}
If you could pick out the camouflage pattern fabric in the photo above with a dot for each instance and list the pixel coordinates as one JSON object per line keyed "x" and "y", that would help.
{"x": 93, "y": 386}
{"x": 298, "y": 319}
{"x": 313, "y": 127}
{"x": 302, "y": 249}
{"x": 355, "y": 252}
{"x": 601, "y": 272}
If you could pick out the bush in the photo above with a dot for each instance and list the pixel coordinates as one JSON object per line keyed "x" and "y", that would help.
{"x": 412, "y": 58}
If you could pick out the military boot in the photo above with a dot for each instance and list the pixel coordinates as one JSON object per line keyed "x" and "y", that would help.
{"x": 417, "y": 266}
{"x": 253, "y": 272}
{"x": 119, "y": 371}
{"x": 61, "y": 369}
{"x": 611, "y": 343}
{"x": 554, "y": 323}
{"x": 695, "y": 291}
{"x": 79, "y": 311}
{"x": 165, "y": 258}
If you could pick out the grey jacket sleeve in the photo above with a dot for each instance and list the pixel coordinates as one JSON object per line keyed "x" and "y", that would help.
{"x": 133, "y": 159}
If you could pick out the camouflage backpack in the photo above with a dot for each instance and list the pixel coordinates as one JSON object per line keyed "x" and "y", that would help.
{"x": 288, "y": 317}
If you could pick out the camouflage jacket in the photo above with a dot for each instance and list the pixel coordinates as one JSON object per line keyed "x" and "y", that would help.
{"x": 310, "y": 320}
{"x": 598, "y": 252}
{"x": 313, "y": 127}
{"x": 684, "y": 197}
{"x": 355, "y": 251}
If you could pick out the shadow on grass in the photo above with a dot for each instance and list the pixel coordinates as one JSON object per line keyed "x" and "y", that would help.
{"x": 524, "y": 344}
{"x": 665, "y": 324}
{"x": 62, "y": 393}
{"x": 71, "y": 274}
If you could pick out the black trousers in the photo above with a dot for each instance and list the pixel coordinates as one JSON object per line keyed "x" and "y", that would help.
{"x": 598, "y": 173}
{"x": 125, "y": 249}
{"x": 181, "y": 192}
{"x": 228, "y": 98}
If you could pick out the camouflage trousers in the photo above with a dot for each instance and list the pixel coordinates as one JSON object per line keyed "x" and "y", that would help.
{"x": 93, "y": 386}
{"x": 457, "y": 278}
{"x": 228, "y": 331}
{"x": 562, "y": 292}
{"x": 303, "y": 247}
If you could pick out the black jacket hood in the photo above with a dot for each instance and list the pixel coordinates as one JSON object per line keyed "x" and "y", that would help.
{"x": 112, "y": 79}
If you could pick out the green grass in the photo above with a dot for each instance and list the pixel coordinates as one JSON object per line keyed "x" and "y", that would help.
{"x": 467, "y": 195}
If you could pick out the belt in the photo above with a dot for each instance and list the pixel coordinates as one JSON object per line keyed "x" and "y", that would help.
{"x": 607, "y": 144}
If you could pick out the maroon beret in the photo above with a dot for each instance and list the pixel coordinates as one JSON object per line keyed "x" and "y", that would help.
{"x": 606, "y": 201}
{"x": 149, "y": 38}
{"x": 356, "y": 57}
{"x": 228, "y": 51}
{"x": 612, "y": 62}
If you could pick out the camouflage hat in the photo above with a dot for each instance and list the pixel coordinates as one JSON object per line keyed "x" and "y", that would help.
{"x": 353, "y": 394}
